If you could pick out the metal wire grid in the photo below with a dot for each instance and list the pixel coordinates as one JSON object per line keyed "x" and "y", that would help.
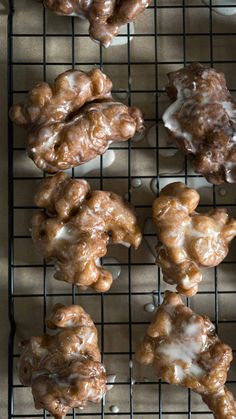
{"x": 182, "y": 5}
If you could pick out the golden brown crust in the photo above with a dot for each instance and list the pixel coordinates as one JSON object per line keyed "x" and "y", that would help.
{"x": 222, "y": 404}
{"x": 71, "y": 90}
{"x": 74, "y": 120}
{"x": 185, "y": 350}
{"x": 202, "y": 121}
{"x": 105, "y": 16}
{"x": 64, "y": 369}
{"x": 189, "y": 240}
{"x": 75, "y": 229}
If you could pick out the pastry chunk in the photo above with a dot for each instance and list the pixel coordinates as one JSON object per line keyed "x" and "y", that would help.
{"x": 74, "y": 230}
{"x": 202, "y": 121}
{"x": 184, "y": 350}
{"x": 189, "y": 240}
{"x": 64, "y": 369}
{"x": 105, "y": 16}
{"x": 74, "y": 120}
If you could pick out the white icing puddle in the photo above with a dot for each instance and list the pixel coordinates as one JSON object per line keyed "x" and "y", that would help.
{"x": 156, "y": 299}
{"x": 114, "y": 409}
{"x": 225, "y": 11}
{"x": 168, "y": 153}
{"x": 154, "y": 186}
{"x": 122, "y": 94}
{"x": 133, "y": 381}
{"x": 139, "y": 136}
{"x": 95, "y": 164}
{"x": 171, "y": 162}
{"x": 110, "y": 381}
{"x": 122, "y": 40}
{"x": 114, "y": 269}
{"x": 136, "y": 183}
{"x": 149, "y": 308}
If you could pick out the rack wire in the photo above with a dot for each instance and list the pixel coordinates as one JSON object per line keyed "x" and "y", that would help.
{"x": 30, "y": 281}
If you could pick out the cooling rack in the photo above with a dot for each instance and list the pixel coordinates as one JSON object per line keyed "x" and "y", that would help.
{"x": 169, "y": 35}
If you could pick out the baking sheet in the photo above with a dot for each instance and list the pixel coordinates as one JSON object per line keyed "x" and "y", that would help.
{"x": 138, "y": 80}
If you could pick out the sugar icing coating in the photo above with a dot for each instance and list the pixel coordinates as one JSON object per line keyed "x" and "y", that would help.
{"x": 106, "y": 17}
{"x": 74, "y": 120}
{"x": 202, "y": 121}
{"x": 184, "y": 350}
{"x": 64, "y": 369}
{"x": 189, "y": 240}
{"x": 74, "y": 230}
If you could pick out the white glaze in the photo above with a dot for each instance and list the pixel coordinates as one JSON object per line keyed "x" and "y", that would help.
{"x": 178, "y": 350}
{"x": 171, "y": 122}
{"x": 185, "y": 347}
{"x": 111, "y": 378}
{"x": 67, "y": 234}
{"x": 136, "y": 183}
{"x": 179, "y": 372}
{"x": 185, "y": 98}
{"x": 155, "y": 298}
{"x": 46, "y": 139}
{"x": 73, "y": 14}
{"x": 186, "y": 232}
{"x": 122, "y": 40}
{"x": 230, "y": 172}
{"x": 114, "y": 409}
{"x": 83, "y": 338}
{"x": 225, "y": 11}
{"x": 95, "y": 164}
{"x": 186, "y": 283}
{"x": 126, "y": 244}
{"x": 122, "y": 94}
{"x": 154, "y": 186}
{"x": 70, "y": 323}
{"x": 115, "y": 270}
{"x": 72, "y": 79}
{"x": 192, "y": 329}
{"x": 149, "y": 308}
{"x": 196, "y": 371}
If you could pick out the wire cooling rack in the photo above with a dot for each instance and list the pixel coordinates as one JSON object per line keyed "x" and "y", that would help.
{"x": 167, "y": 36}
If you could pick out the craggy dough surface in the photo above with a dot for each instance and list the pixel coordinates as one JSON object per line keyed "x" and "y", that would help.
{"x": 28, "y": 18}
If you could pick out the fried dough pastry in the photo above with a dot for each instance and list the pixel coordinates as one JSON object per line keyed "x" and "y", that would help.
{"x": 74, "y": 230}
{"x": 202, "y": 121}
{"x": 184, "y": 350}
{"x": 64, "y": 369}
{"x": 74, "y": 120}
{"x": 105, "y": 16}
{"x": 189, "y": 240}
